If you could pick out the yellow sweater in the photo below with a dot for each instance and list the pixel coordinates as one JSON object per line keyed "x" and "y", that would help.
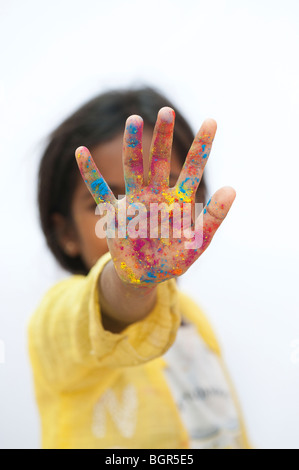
{"x": 97, "y": 389}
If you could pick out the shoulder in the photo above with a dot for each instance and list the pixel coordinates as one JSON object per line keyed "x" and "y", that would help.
{"x": 191, "y": 311}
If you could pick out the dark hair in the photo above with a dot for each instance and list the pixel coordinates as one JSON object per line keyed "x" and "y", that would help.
{"x": 99, "y": 120}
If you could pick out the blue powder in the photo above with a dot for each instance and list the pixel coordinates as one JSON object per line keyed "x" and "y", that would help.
{"x": 132, "y": 143}
{"x": 132, "y": 129}
{"x": 181, "y": 188}
{"x": 151, "y": 275}
{"x": 99, "y": 186}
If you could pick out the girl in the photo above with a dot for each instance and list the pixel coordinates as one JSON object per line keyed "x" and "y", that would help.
{"x": 121, "y": 358}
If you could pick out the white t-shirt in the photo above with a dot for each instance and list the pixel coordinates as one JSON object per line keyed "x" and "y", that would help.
{"x": 198, "y": 384}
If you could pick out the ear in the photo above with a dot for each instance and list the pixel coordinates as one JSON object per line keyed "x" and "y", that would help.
{"x": 66, "y": 235}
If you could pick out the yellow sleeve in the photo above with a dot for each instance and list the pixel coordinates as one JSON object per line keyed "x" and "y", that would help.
{"x": 67, "y": 340}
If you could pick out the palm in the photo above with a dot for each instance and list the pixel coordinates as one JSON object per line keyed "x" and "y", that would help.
{"x": 142, "y": 249}
{"x": 150, "y": 259}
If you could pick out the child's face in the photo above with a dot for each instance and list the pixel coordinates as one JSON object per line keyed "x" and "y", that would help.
{"x": 108, "y": 158}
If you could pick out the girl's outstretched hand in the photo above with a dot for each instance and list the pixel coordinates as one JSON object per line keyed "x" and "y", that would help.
{"x": 148, "y": 248}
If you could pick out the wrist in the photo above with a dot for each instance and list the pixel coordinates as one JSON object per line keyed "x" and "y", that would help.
{"x": 121, "y": 303}
{"x": 131, "y": 289}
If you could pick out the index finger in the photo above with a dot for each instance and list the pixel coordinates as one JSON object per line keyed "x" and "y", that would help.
{"x": 92, "y": 177}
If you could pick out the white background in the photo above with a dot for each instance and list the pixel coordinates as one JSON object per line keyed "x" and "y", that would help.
{"x": 235, "y": 61}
